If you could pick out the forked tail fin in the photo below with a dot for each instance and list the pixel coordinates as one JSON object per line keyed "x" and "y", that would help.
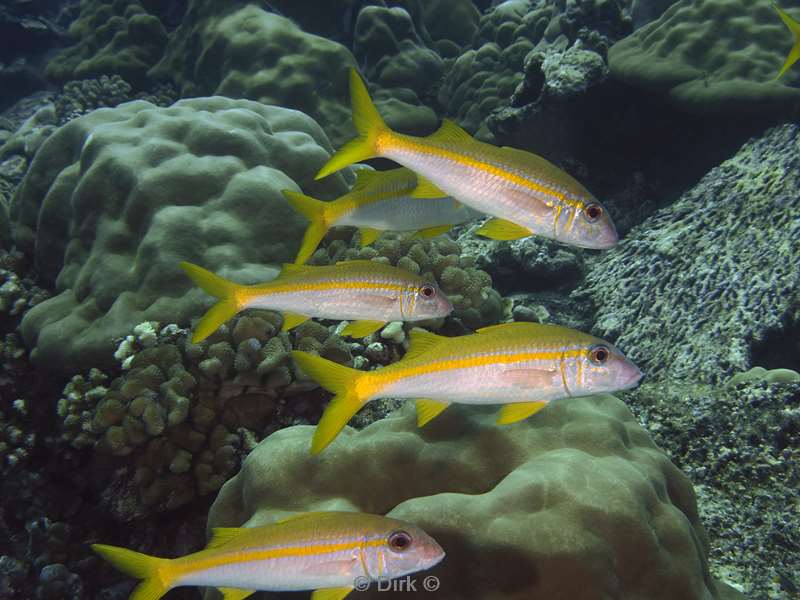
{"x": 313, "y": 210}
{"x": 155, "y": 582}
{"x": 369, "y": 126}
{"x": 339, "y": 380}
{"x": 219, "y": 287}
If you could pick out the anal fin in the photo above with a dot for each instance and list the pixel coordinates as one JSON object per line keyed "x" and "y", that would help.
{"x": 428, "y": 409}
{"x": 235, "y": 593}
{"x": 360, "y": 329}
{"x": 331, "y": 593}
{"x": 369, "y": 235}
{"x": 432, "y": 232}
{"x": 511, "y": 413}
{"x": 292, "y": 320}
{"x": 500, "y": 229}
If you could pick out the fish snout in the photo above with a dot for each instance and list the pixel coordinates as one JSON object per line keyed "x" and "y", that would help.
{"x": 606, "y": 238}
{"x": 431, "y": 553}
{"x": 628, "y": 375}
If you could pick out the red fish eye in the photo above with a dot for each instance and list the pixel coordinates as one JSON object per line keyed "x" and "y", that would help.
{"x": 599, "y": 354}
{"x": 428, "y": 291}
{"x": 592, "y": 212}
{"x": 399, "y": 541}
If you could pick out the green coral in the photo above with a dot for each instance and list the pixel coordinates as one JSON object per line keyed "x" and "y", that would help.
{"x": 581, "y": 501}
{"x": 713, "y": 57}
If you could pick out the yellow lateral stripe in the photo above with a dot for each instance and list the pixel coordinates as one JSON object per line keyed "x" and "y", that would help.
{"x": 396, "y": 374}
{"x": 413, "y": 145}
{"x": 203, "y": 563}
{"x": 246, "y": 293}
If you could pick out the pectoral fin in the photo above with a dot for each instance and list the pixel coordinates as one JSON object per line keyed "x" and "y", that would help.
{"x": 369, "y": 235}
{"x": 235, "y": 593}
{"x": 500, "y": 229}
{"x": 360, "y": 329}
{"x": 431, "y": 232}
{"x": 292, "y": 320}
{"x": 529, "y": 378}
{"x": 428, "y": 409}
{"x": 331, "y": 593}
{"x": 511, "y": 413}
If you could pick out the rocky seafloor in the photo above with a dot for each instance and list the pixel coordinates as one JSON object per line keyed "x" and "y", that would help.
{"x": 135, "y": 134}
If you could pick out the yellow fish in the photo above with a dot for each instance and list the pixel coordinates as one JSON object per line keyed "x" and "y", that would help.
{"x": 527, "y": 194}
{"x": 370, "y": 292}
{"x": 794, "y": 27}
{"x": 379, "y": 201}
{"x": 329, "y": 552}
{"x": 520, "y": 365}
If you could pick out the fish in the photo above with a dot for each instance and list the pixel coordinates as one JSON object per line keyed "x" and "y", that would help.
{"x": 379, "y": 201}
{"x": 794, "y": 27}
{"x": 329, "y": 552}
{"x": 524, "y": 193}
{"x": 370, "y": 293}
{"x": 522, "y": 366}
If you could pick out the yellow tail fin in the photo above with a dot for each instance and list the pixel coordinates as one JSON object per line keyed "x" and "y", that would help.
{"x": 339, "y": 380}
{"x": 223, "y": 310}
{"x": 369, "y": 125}
{"x": 314, "y": 211}
{"x": 157, "y": 581}
{"x": 794, "y": 27}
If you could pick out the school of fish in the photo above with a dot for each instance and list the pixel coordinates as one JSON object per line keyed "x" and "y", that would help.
{"x": 446, "y": 179}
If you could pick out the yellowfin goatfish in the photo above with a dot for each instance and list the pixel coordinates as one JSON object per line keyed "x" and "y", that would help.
{"x": 794, "y": 27}
{"x": 325, "y": 551}
{"x": 368, "y": 291}
{"x": 520, "y": 365}
{"x": 379, "y": 201}
{"x": 527, "y": 194}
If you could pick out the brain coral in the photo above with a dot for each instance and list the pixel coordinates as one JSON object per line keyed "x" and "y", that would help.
{"x": 692, "y": 290}
{"x": 576, "y": 503}
{"x": 115, "y": 199}
{"x": 713, "y": 56}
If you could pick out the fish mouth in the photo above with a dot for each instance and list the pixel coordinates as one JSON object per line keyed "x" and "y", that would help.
{"x": 629, "y": 377}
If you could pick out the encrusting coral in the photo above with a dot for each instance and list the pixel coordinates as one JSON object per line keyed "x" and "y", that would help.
{"x": 573, "y": 501}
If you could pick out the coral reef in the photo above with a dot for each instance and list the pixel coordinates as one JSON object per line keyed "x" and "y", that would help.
{"x": 692, "y": 290}
{"x": 111, "y": 38}
{"x": 739, "y": 442}
{"x": 713, "y": 57}
{"x": 115, "y": 199}
{"x": 572, "y": 502}
{"x": 470, "y": 290}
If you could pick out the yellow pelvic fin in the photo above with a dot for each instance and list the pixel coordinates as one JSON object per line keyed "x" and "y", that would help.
{"x": 360, "y": 329}
{"x": 794, "y": 27}
{"x": 428, "y": 409}
{"x": 426, "y": 189}
{"x": 222, "y": 535}
{"x": 331, "y": 593}
{"x": 292, "y": 320}
{"x": 339, "y": 380}
{"x": 219, "y": 287}
{"x": 369, "y": 235}
{"x": 432, "y": 232}
{"x": 314, "y": 211}
{"x": 148, "y": 568}
{"x": 369, "y": 126}
{"x": 511, "y": 413}
{"x": 420, "y": 341}
{"x": 235, "y": 593}
{"x": 500, "y": 229}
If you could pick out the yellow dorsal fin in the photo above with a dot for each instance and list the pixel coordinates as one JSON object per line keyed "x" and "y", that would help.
{"x": 794, "y": 27}
{"x": 511, "y": 413}
{"x": 450, "y": 133}
{"x": 499, "y": 327}
{"x": 235, "y": 593}
{"x": 292, "y": 320}
{"x": 297, "y": 517}
{"x": 222, "y": 535}
{"x": 364, "y": 179}
{"x": 420, "y": 341}
{"x": 426, "y": 189}
{"x": 500, "y": 229}
{"x": 364, "y": 262}
{"x": 427, "y": 409}
{"x": 432, "y": 232}
{"x": 368, "y": 235}
{"x": 331, "y": 593}
{"x": 361, "y": 329}
{"x": 292, "y": 269}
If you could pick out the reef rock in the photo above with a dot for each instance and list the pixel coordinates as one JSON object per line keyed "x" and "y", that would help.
{"x": 575, "y": 503}
{"x": 697, "y": 289}
{"x": 114, "y": 200}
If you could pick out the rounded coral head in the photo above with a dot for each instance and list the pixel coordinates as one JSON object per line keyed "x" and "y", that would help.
{"x": 398, "y": 548}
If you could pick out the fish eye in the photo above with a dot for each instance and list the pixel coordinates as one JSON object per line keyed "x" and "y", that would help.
{"x": 599, "y": 354}
{"x": 399, "y": 541}
{"x": 427, "y": 291}
{"x": 592, "y": 212}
